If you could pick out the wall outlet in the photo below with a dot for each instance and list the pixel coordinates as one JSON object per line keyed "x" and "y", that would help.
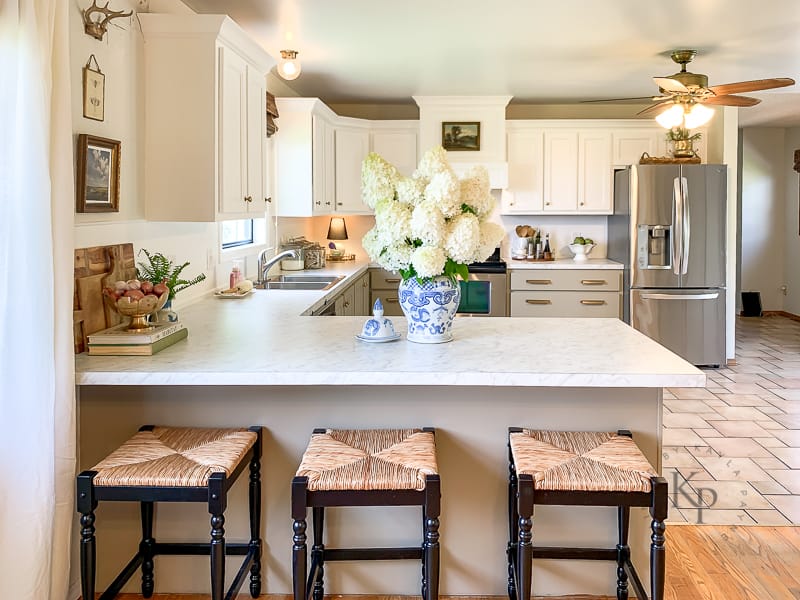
{"x": 209, "y": 259}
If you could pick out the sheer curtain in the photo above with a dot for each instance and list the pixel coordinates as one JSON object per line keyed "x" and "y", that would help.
{"x": 37, "y": 393}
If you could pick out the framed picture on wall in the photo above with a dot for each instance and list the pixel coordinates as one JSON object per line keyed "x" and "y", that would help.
{"x": 94, "y": 90}
{"x": 461, "y": 135}
{"x": 97, "y": 187}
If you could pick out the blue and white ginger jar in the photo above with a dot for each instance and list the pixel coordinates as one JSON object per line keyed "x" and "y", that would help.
{"x": 430, "y": 308}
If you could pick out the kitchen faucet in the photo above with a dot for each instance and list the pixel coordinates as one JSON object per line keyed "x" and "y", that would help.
{"x": 264, "y": 264}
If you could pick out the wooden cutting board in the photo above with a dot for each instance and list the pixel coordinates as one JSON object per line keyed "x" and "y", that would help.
{"x": 95, "y": 268}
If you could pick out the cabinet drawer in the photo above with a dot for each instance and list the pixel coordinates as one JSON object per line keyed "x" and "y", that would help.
{"x": 381, "y": 279}
{"x": 390, "y": 301}
{"x": 565, "y": 304}
{"x": 566, "y": 279}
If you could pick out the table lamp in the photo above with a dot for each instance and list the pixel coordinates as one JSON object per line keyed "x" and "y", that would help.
{"x": 337, "y": 230}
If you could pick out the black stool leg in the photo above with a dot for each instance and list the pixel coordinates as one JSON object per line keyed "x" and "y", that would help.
{"x": 318, "y": 552}
{"x": 430, "y": 554}
{"x": 146, "y": 549}
{"x": 86, "y": 504}
{"x": 525, "y": 538}
{"x": 658, "y": 511}
{"x": 513, "y": 531}
{"x": 255, "y": 516}
{"x": 623, "y": 551}
{"x": 216, "y": 507}
{"x": 299, "y": 548}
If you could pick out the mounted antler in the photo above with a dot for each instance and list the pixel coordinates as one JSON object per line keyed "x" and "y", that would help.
{"x": 97, "y": 29}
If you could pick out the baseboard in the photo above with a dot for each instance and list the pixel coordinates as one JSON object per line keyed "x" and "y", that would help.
{"x": 781, "y": 313}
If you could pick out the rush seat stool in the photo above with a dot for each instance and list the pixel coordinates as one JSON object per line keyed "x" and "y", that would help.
{"x": 175, "y": 464}
{"x": 582, "y": 468}
{"x": 374, "y": 467}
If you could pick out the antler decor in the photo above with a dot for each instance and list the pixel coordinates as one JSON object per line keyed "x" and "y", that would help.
{"x": 97, "y": 29}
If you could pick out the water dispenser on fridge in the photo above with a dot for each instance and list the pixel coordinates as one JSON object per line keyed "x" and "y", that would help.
{"x": 654, "y": 243}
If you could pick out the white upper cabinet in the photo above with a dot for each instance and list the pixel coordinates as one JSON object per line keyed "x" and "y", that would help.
{"x": 205, "y": 131}
{"x": 525, "y": 192}
{"x": 594, "y": 172}
{"x": 397, "y": 142}
{"x": 560, "y": 171}
{"x": 352, "y": 147}
{"x": 629, "y": 145}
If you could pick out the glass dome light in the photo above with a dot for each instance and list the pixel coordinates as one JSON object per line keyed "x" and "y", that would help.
{"x": 672, "y": 117}
{"x": 697, "y": 116}
{"x": 289, "y": 67}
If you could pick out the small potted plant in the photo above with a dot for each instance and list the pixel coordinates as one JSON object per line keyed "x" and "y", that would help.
{"x": 682, "y": 141}
{"x": 160, "y": 269}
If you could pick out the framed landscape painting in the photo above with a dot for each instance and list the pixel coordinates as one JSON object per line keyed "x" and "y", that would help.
{"x": 461, "y": 135}
{"x": 97, "y": 188}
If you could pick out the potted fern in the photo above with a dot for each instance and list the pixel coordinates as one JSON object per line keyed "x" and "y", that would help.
{"x": 682, "y": 141}
{"x": 160, "y": 269}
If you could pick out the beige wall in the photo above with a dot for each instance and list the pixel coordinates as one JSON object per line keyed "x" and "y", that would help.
{"x": 791, "y": 246}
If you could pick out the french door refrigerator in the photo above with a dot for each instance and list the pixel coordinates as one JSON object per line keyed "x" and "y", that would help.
{"x": 668, "y": 229}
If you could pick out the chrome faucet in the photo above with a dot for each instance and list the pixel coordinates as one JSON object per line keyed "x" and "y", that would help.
{"x": 264, "y": 264}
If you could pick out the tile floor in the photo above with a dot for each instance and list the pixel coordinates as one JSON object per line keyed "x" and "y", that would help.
{"x": 732, "y": 449}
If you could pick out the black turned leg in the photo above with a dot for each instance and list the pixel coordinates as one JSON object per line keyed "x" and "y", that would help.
{"x": 86, "y": 504}
{"x": 623, "y": 551}
{"x": 658, "y": 511}
{"x": 424, "y": 582}
{"x": 299, "y": 548}
{"x": 525, "y": 537}
{"x": 255, "y": 516}
{"x": 147, "y": 549}
{"x": 317, "y": 552}
{"x": 430, "y": 554}
{"x": 216, "y": 506}
{"x": 513, "y": 532}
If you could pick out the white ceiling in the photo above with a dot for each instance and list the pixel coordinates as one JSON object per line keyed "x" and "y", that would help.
{"x": 553, "y": 52}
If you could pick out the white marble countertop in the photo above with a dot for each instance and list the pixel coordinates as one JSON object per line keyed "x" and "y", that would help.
{"x": 564, "y": 263}
{"x": 265, "y": 339}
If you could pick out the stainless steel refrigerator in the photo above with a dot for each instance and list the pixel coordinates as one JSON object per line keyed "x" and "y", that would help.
{"x": 668, "y": 229}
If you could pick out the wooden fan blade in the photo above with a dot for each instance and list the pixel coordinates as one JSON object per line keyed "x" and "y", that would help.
{"x": 639, "y": 99}
{"x": 751, "y": 86}
{"x": 670, "y": 85}
{"x": 654, "y": 108}
{"x": 731, "y": 100}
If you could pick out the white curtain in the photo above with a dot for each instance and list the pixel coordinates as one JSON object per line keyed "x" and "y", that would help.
{"x": 37, "y": 393}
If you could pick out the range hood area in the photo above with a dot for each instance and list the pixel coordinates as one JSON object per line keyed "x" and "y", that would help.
{"x": 489, "y": 111}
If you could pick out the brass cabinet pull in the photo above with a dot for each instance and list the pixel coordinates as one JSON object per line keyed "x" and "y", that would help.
{"x": 391, "y": 299}
{"x": 365, "y": 284}
{"x": 539, "y": 281}
{"x": 533, "y": 301}
{"x": 248, "y": 198}
{"x": 346, "y": 304}
{"x": 392, "y": 280}
{"x": 594, "y": 282}
{"x": 593, "y": 302}
{"x": 267, "y": 199}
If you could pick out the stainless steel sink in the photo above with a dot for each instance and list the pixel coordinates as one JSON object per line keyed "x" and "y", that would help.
{"x": 302, "y": 282}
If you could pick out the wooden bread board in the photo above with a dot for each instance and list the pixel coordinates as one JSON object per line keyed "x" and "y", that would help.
{"x": 94, "y": 269}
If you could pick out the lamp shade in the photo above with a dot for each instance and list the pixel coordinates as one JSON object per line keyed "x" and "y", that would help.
{"x": 337, "y": 230}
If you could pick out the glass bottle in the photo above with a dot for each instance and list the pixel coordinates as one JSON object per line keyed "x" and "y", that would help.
{"x": 547, "y": 252}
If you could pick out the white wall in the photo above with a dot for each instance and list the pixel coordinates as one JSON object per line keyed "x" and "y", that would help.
{"x": 791, "y": 302}
{"x": 764, "y": 214}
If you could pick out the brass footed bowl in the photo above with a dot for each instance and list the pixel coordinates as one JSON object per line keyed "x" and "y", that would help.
{"x": 137, "y": 310}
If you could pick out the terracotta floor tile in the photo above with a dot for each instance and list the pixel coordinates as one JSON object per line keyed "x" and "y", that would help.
{"x": 788, "y": 505}
{"x": 788, "y": 421}
{"x": 677, "y": 456}
{"x": 703, "y": 451}
{"x": 739, "y": 448}
{"x": 728, "y": 494}
{"x": 790, "y": 437}
{"x": 692, "y": 393}
{"x": 770, "y": 442}
{"x": 686, "y": 420}
{"x": 788, "y": 394}
{"x": 789, "y": 479}
{"x": 682, "y": 437}
{"x": 739, "y": 429}
{"x": 769, "y": 487}
{"x": 709, "y": 516}
{"x": 740, "y": 413}
{"x": 768, "y": 463}
{"x": 733, "y": 469}
{"x": 708, "y": 433}
{"x": 789, "y": 456}
{"x": 688, "y": 406}
{"x": 742, "y": 400}
{"x": 744, "y": 388}
{"x": 768, "y": 517}
{"x": 771, "y": 425}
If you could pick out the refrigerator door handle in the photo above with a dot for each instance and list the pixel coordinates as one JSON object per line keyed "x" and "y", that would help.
{"x": 708, "y": 296}
{"x": 677, "y": 226}
{"x": 685, "y": 225}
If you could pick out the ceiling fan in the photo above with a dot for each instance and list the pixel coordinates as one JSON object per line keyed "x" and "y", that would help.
{"x": 682, "y": 94}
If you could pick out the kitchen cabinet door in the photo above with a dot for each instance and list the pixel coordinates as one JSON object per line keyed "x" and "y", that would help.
{"x": 525, "y": 193}
{"x": 594, "y": 172}
{"x": 361, "y": 293}
{"x": 560, "y": 171}
{"x": 630, "y": 144}
{"x": 352, "y": 146}
{"x": 397, "y": 146}
{"x": 323, "y": 159}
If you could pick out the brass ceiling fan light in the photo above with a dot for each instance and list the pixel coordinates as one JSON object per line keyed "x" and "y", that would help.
{"x": 688, "y": 89}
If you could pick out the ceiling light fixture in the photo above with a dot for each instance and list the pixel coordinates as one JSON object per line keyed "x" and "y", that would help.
{"x": 289, "y": 67}
{"x": 686, "y": 115}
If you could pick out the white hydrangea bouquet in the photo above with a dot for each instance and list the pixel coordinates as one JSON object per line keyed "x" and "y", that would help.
{"x": 431, "y": 223}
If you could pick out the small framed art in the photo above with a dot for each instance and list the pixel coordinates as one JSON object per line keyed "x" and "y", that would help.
{"x": 461, "y": 135}
{"x": 94, "y": 90}
{"x": 97, "y": 188}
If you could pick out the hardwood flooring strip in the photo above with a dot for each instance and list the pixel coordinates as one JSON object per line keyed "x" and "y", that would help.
{"x": 704, "y": 562}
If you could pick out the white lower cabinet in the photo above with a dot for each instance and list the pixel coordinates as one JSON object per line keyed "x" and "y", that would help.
{"x": 566, "y": 293}
{"x": 383, "y": 285}
{"x": 354, "y": 299}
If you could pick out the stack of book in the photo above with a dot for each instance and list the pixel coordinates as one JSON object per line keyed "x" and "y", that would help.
{"x": 118, "y": 340}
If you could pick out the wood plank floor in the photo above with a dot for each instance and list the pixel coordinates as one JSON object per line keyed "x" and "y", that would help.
{"x": 703, "y": 563}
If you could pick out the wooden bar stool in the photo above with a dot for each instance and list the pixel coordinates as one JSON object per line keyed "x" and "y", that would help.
{"x": 175, "y": 464}
{"x": 376, "y": 467}
{"x": 582, "y": 468}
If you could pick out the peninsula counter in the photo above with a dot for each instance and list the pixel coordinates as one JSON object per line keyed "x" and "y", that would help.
{"x": 258, "y": 361}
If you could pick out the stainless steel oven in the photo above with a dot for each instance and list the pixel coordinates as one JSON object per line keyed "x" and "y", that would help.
{"x": 485, "y": 293}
